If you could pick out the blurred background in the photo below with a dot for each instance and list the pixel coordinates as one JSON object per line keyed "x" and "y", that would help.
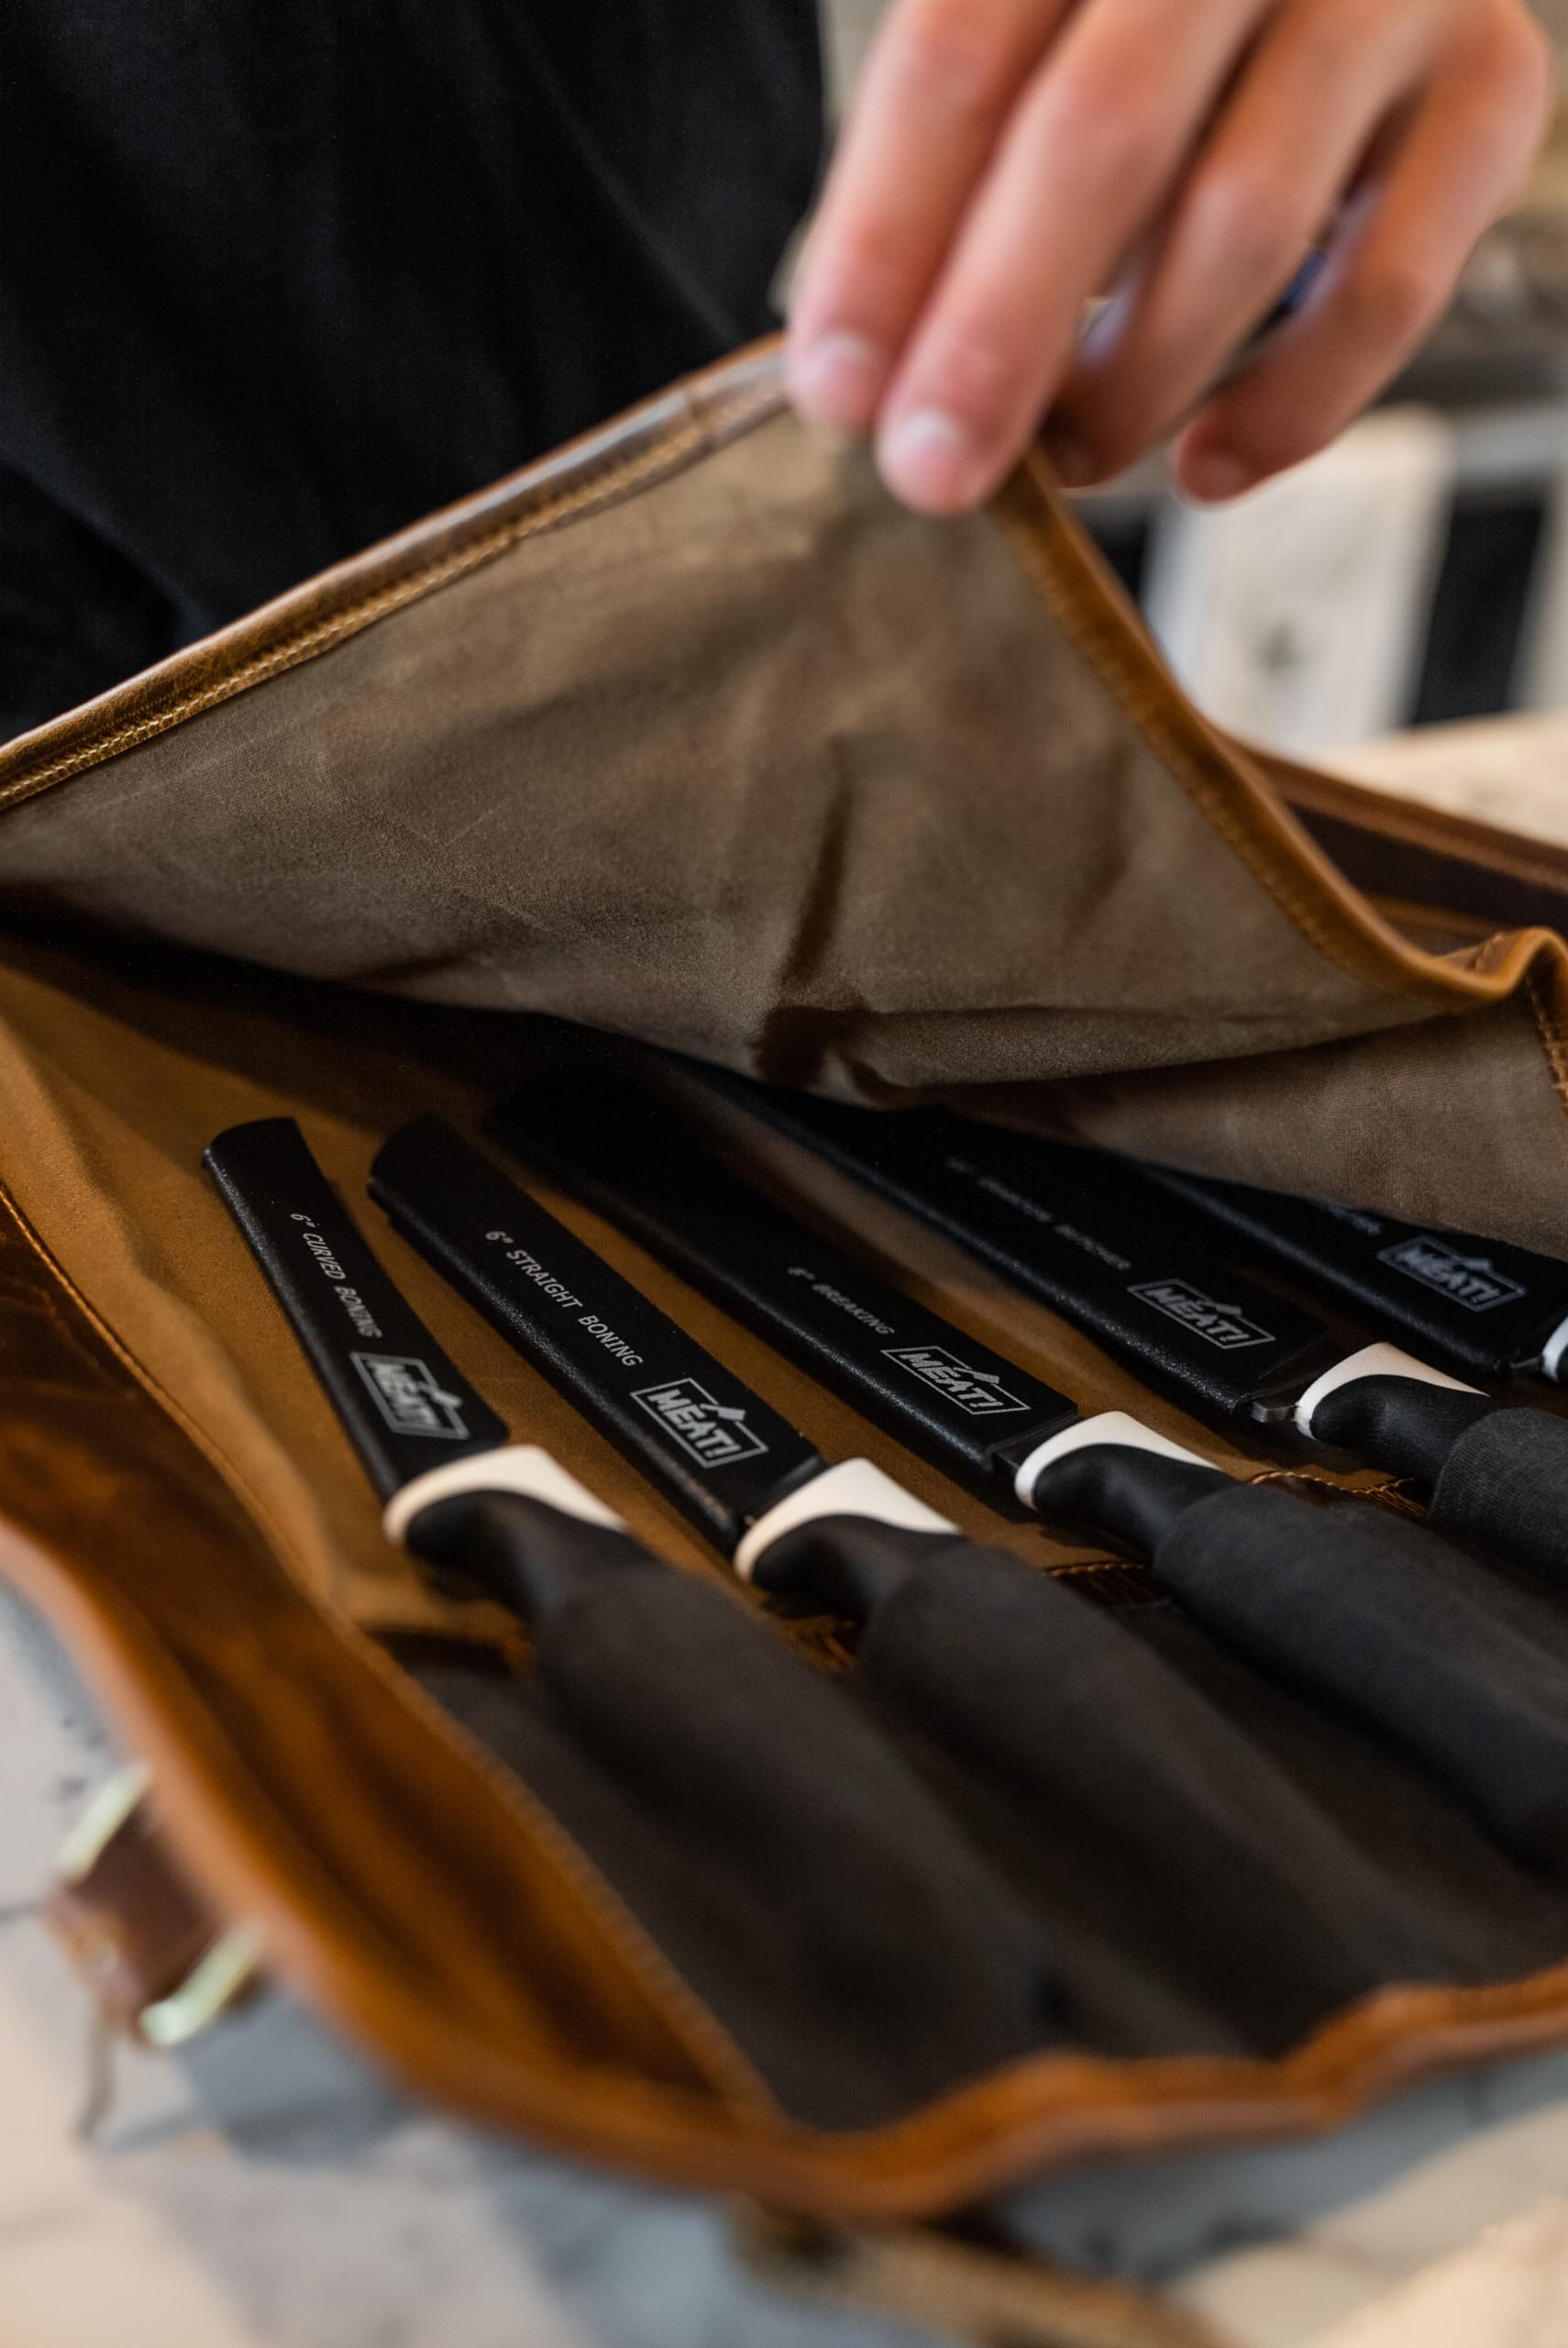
{"x": 1413, "y": 577}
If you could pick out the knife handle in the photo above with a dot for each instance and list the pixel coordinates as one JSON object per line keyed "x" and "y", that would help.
{"x": 1382, "y": 1406}
{"x": 853, "y": 1488}
{"x": 1113, "y": 1477}
{"x": 1108, "y": 1475}
{"x": 1425, "y": 1643}
{"x": 514, "y": 1523}
{"x": 878, "y": 1531}
{"x": 1504, "y": 1487}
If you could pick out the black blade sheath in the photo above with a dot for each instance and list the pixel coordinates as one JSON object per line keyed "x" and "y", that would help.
{"x": 1390, "y": 1597}
{"x": 689, "y": 1424}
{"x": 1117, "y": 1256}
{"x": 710, "y": 1734}
{"x": 620, "y": 1148}
{"x": 1097, "y": 1242}
{"x": 403, "y": 1402}
{"x": 1476, "y": 1307}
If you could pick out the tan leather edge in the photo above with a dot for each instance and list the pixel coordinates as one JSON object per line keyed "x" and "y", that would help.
{"x": 996, "y": 2134}
{"x": 1464, "y": 837}
{"x": 648, "y": 442}
{"x": 1001, "y": 2129}
{"x": 234, "y": 1809}
{"x": 222, "y": 1838}
{"x": 1227, "y": 786}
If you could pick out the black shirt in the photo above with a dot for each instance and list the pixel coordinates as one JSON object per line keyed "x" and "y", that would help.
{"x": 278, "y": 276}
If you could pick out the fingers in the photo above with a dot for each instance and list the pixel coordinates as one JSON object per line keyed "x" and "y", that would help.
{"x": 935, "y": 94}
{"x": 1007, "y": 158}
{"x": 1022, "y": 211}
{"x": 1447, "y": 173}
{"x": 1263, "y": 189}
{"x": 1088, "y": 158}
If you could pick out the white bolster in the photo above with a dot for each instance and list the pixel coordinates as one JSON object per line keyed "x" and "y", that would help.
{"x": 515, "y": 1467}
{"x": 1372, "y": 1361}
{"x": 1105, "y": 1427}
{"x": 1552, "y": 1353}
{"x": 854, "y": 1488}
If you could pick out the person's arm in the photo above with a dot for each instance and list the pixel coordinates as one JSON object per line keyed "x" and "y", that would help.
{"x": 1004, "y": 160}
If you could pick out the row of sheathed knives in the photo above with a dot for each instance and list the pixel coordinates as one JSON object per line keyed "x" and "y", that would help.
{"x": 1448, "y": 1635}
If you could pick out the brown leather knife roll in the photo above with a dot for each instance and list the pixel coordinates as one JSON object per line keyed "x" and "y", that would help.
{"x": 689, "y": 733}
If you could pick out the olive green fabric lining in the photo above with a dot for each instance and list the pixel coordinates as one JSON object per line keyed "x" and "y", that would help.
{"x": 750, "y": 761}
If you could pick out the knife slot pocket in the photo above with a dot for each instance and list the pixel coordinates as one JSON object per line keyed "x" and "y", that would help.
{"x": 815, "y": 1893}
{"x": 1099, "y": 1898}
{"x": 1461, "y": 1662}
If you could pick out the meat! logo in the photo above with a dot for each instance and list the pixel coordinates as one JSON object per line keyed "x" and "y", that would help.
{"x": 1472, "y": 1281}
{"x": 978, "y": 1391}
{"x": 1216, "y": 1324}
{"x": 410, "y": 1396}
{"x": 712, "y": 1433}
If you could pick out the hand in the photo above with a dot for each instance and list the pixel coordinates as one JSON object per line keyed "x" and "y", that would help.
{"x": 1007, "y": 160}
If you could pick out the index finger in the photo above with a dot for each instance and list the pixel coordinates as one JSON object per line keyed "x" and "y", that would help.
{"x": 938, "y": 88}
{"x": 1087, "y": 159}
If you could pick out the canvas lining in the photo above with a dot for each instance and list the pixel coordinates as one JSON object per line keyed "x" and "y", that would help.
{"x": 120, "y": 1085}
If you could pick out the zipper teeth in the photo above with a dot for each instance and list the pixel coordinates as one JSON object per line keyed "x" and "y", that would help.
{"x": 603, "y": 486}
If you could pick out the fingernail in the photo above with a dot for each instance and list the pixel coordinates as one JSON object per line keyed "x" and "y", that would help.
{"x": 838, "y": 381}
{"x": 1070, "y": 457}
{"x": 1215, "y": 474}
{"x": 929, "y": 459}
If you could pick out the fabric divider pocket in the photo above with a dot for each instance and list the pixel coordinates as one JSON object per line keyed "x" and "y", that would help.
{"x": 1197, "y": 1895}
{"x": 814, "y": 1892}
{"x": 1456, "y": 1661}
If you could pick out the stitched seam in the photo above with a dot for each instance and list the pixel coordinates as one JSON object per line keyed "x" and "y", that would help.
{"x": 728, "y": 416}
{"x": 215, "y": 1457}
{"x": 592, "y": 493}
{"x": 1185, "y": 762}
{"x": 1553, "y": 1036}
{"x": 1256, "y": 2081}
{"x": 1330, "y": 1483}
{"x": 1393, "y": 1494}
{"x": 693, "y": 2021}
{"x": 697, "y": 2028}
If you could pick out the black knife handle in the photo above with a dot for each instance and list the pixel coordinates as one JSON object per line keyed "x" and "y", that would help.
{"x": 1380, "y": 1405}
{"x": 1424, "y": 1642}
{"x": 1504, "y": 1485}
{"x": 1122, "y": 1488}
{"x": 529, "y": 1556}
{"x": 514, "y": 1524}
